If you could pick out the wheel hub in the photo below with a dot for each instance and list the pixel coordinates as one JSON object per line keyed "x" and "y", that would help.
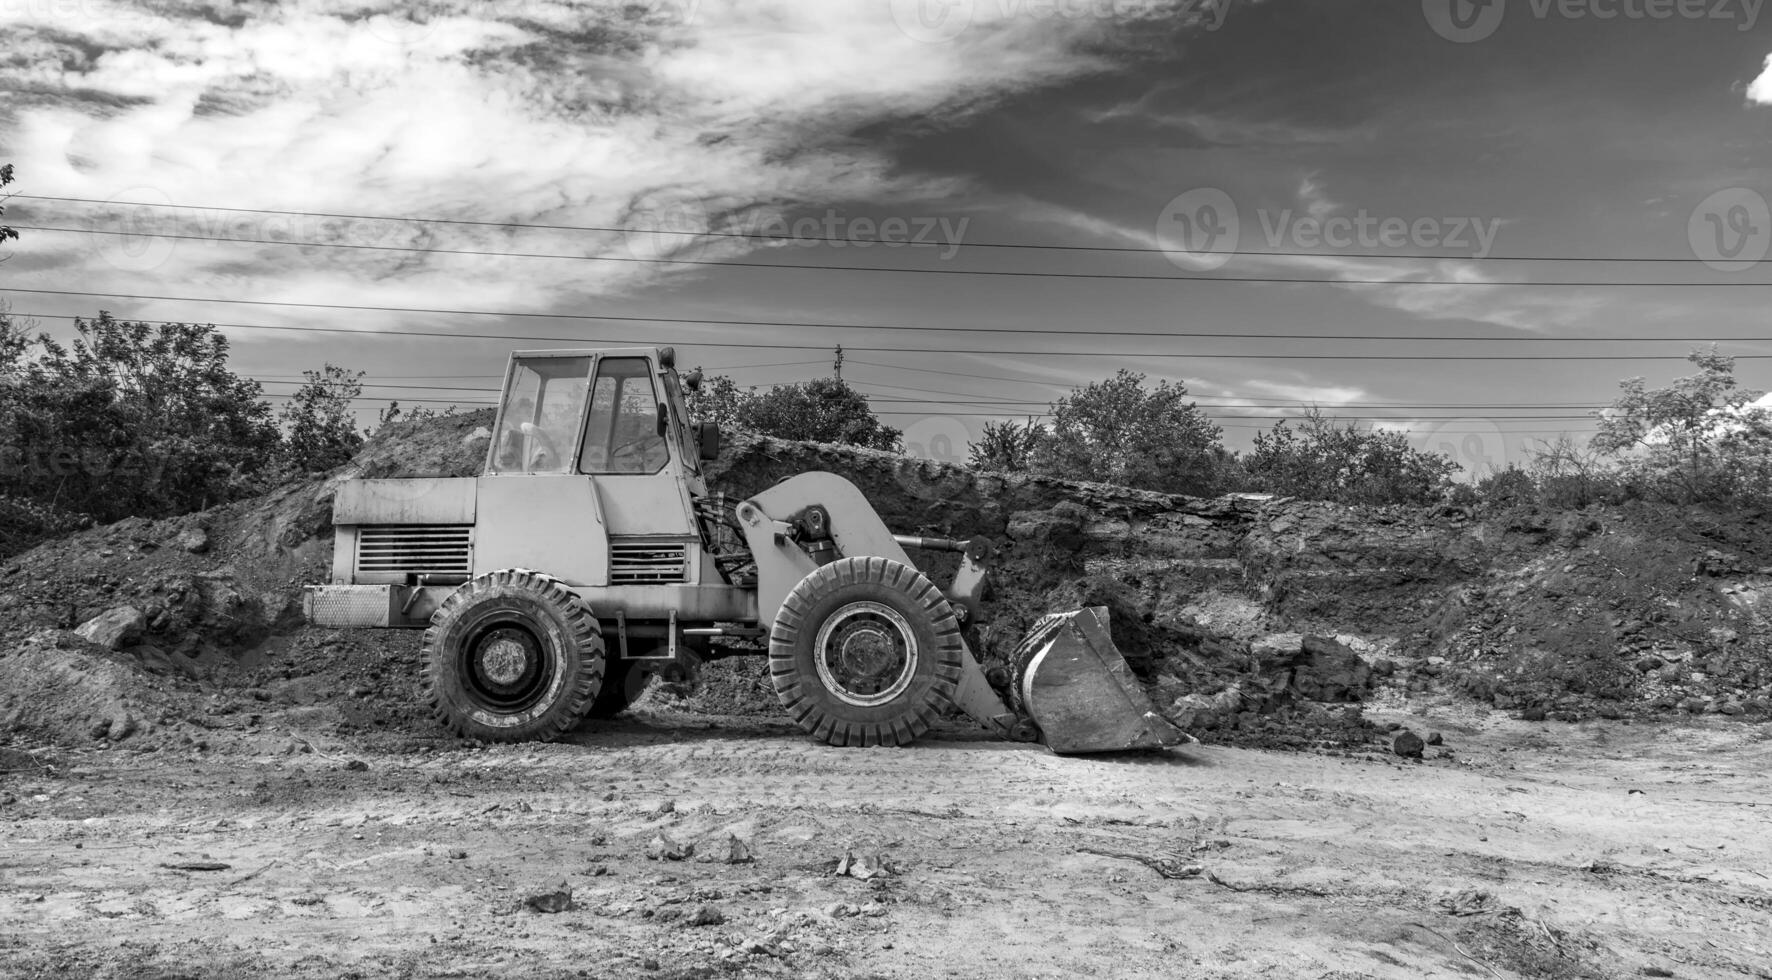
{"x": 505, "y": 662}
{"x": 867, "y": 654}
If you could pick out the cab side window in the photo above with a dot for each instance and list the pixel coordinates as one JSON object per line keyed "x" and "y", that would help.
{"x": 622, "y": 433}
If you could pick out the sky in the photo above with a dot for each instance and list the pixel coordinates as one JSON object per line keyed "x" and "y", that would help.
{"x": 1280, "y": 203}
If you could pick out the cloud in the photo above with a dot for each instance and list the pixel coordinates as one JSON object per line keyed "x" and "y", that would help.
{"x": 1316, "y": 203}
{"x": 1396, "y": 284}
{"x": 1759, "y": 91}
{"x": 1324, "y": 395}
{"x": 667, "y": 115}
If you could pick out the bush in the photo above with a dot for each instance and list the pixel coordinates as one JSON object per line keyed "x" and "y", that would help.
{"x": 1007, "y": 447}
{"x": 132, "y": 420}
{"x": 1118, "y": 431}
{"x": 821, "y": 410}
{"x": 1323, "y": 460}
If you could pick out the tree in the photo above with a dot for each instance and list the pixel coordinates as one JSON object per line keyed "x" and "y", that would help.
{"x": 6, "y": 178}
{"x": 132, "y": 420}
{"x": 1118, "y": 431}
{"x": 1323, "y": 460}
{"x": 1007, "y": 446}
{"x": 1701, "y": 438}
{"x": 320, "y": 432}
{"x": 718, "y": 400}
{"x": 821, "y": 410}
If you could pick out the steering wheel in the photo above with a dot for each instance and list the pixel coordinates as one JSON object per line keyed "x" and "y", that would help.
{"x": 547, "y": 446}
{"x": 638, "y": 451}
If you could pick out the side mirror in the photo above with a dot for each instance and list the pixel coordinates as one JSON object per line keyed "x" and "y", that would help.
{"x": 707, "y": 439}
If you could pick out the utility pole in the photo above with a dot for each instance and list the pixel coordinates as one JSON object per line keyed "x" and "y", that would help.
{"x": 838, "y": 366}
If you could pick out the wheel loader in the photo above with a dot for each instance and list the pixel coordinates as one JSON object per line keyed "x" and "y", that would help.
{"x": 591, "y": 553}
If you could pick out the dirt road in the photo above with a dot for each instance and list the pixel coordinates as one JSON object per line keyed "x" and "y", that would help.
{"x": 1599, "y": 850}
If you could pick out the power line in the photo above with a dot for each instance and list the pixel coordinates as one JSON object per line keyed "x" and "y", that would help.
{"x": 1240, "y": 401}
{"x": 1329, "y": 410}
{"x": 808, "y": 346}
{"x": 1009, "y": 273}
{"x": 963, "y": 402}
{"x": 752, "y": 236}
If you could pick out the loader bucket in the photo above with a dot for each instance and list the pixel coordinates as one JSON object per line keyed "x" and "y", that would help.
{"x": 1074, "y": 683}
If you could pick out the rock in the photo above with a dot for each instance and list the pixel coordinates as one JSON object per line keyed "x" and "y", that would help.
{"x": 665, "y": 848}
{"x": 458, "y": 855}
{"x": 706, "y": 915}
{"x": 1730, "y": 708}
{"x": 1384, "y": 667}
{"x": 357, "y": 765}
{"x": 1278, "y": 650}
{"x": 1533, "y": 713}
{"x": 194, "y": 539}
{"x": 558, "y": 900}
{"x": 114, "y": 628}
{"x": 1407, "y": 744}
{"x": 1649, "y": 664}
{"x": 727, "y": 850}
{"x": 1331, "y": 672}
{"x": 1435, "y": 738}
{"x": 863, "y": 867}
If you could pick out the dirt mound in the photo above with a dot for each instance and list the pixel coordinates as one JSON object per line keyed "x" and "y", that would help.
{"x": 65, "y": 689}
{"x": 1249, "y": 619}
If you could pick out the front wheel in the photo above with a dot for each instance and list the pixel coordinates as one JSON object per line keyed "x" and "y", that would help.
{"x": 512, "y": 656}
{"x": 865, "y": 651}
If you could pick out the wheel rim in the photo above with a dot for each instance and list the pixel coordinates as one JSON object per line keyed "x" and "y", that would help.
{"x": 505, "y": 667}
{"x": 866, "y": 653}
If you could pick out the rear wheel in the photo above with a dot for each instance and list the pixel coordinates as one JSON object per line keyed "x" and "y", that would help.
{"x": 512, "y": 656}
{"x": 865, "y": 651}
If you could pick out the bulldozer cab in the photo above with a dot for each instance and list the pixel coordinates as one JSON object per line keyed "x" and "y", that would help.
{"x": 613, "y": 418}
{"x": 596, "y": 414}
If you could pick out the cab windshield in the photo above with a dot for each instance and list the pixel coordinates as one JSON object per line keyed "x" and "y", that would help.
{"x": 538, "y": 422}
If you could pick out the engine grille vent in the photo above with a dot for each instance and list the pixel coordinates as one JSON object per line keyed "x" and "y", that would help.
{"x": 420, "y": 549}
{"x": 648, "y": 564}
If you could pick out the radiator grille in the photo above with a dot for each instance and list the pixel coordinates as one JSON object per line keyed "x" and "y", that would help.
{"x": 402, "y": 549}
{"x": 648, "y": 564}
